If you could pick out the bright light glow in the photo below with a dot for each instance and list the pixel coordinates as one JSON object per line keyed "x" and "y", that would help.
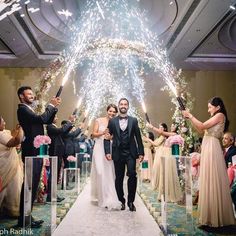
{"x": 14, "y": 7}
{"x": 27, "y": 2}
{"x": 66, "y": 13}
{"x": 144, "y": 107}
{"x": 100, "y": 10}
{"x": 22, "y": 15}
{"x": 232, "y": 7}
{"x": 33, "y": 10}
{"x": 79, "y": 103}
{"x": 114, "y": 56}
{"x": 171, "y": 3}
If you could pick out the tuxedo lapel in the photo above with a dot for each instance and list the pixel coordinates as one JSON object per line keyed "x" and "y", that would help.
{"x": 130, "y": 123}
{"x": 117, "y": 125}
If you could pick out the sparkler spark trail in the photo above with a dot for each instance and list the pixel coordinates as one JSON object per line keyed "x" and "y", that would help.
{"x": 113, "y": 54}
{"x": 100, "y": 10}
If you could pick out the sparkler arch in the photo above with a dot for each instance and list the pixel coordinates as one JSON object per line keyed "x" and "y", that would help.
{"x": 114, "y": 58}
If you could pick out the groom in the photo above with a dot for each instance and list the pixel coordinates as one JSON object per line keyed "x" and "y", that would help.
{"x": 127, "y": 146}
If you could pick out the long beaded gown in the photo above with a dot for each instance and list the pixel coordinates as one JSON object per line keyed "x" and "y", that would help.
{"x": 215, "y": 203}
{"x": 158, "y": 144}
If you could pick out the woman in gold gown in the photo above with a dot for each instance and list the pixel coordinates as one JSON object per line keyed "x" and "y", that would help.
{"x": 215, "y": 204}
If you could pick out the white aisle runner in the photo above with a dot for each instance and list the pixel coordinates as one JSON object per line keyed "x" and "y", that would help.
{"x": 85, "y": 219}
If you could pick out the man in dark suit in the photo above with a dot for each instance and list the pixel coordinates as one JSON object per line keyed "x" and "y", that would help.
{"x": 57, "y": 147}
{"x": 127, "y": 146}
{"x": 32, "y": 125}
{"x": 69, "y": 141}
{"x": 229, "y": 148}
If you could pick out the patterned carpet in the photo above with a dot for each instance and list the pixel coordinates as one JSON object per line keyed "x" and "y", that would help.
{"x": 43, "y": 211}
{"x": 177, "y": 221}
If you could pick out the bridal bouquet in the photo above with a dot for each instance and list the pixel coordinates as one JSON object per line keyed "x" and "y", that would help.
{"x": 41, "y": 140}
{"x": 175, "y": 139}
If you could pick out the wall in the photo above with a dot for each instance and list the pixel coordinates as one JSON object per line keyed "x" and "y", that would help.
{"x": 202, "y": 84}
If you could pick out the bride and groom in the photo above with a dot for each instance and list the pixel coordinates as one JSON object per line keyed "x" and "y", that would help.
{"x": 118, "y": 144}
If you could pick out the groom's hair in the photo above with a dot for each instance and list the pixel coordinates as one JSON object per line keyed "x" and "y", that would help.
{"x": 123, "y": 99}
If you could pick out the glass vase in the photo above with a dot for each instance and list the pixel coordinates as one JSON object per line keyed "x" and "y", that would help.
{"x": 43, "y": 150}
{"x": 71, "y": 164}
{"x": 144, "y": 164}
{"x": 175, "y": 149}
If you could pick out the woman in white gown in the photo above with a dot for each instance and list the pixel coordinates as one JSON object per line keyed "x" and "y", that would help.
{"x": 103, "y": 174}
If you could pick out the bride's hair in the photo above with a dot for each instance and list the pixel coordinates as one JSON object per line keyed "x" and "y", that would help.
{"x": 113, "y": 106}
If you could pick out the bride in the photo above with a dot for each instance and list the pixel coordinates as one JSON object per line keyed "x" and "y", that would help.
{"x": 103, "y": 174}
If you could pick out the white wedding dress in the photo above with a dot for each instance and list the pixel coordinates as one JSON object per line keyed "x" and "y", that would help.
{"x": 103, "y": 176}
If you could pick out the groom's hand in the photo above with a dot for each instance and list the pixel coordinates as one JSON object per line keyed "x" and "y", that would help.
{"x": 140, "y": 157}
{"x": 108, "y": 157}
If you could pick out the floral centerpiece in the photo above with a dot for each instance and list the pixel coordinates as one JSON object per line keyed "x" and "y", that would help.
{"x": 42, "y": 142}
{"x": 174, "y": 142}
{"x": 72, "y": 161}
{"x": 175, "y": 139}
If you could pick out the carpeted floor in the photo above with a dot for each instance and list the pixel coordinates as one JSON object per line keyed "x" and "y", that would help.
{"x": 177, "y": 222}
{"x": 43, "y": 211}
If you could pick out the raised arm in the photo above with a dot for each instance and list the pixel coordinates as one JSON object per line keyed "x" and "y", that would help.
{"x": 201, "y": 126}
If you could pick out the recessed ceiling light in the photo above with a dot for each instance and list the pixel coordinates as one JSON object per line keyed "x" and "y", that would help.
{"x": 232, "y": 7}
{"x": 171, "y": 3}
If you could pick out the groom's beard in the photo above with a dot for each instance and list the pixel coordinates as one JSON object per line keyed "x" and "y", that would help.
{"x": 123, "y": 110}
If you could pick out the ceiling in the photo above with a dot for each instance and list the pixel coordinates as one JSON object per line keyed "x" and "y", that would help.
{"x": 198, "y": 34}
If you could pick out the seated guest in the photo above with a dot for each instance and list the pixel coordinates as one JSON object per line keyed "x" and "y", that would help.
{"x": 11, "y": 170}
{"x": 229, "y": 148}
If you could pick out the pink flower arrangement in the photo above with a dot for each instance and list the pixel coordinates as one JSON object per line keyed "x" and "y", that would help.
{"x": 41, "y": 140}
{"x": 175, "y": 139}
{"x": 71, "y": 159}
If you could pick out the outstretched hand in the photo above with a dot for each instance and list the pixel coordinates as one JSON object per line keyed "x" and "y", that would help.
{"x": 149, "y": 125}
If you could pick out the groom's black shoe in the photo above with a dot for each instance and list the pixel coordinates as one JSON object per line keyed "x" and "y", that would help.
{"x": 122, "y": 207}
{"x": 131, "y": 206}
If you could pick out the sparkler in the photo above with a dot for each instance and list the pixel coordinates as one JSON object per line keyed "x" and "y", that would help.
{"x": 100, "y": 10}
{"x": 112, "y": 56}
{"x": 85, "y": 115}
{"x": 77, "y": 107}
{"x": 145, "y": 112}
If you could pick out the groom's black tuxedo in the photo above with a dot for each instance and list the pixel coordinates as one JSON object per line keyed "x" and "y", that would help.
{"x": 126, "y": 147}
{"x": 134, "y": 138}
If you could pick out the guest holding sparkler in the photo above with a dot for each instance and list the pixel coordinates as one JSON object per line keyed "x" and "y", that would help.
{"x": 173, "y": 193}
{"x": 32, "y": 125}
{"x": 215, "y": 203}
{"x": 147, "y": 163}
{"x": 158, "y": 143}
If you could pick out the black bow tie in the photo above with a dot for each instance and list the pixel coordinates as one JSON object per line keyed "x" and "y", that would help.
{"x": 123, "y": 117}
